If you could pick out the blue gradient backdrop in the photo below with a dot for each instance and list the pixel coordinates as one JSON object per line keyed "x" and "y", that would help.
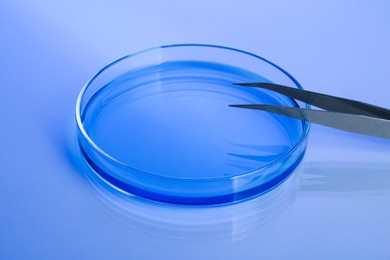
{"x": 337, "y": 208}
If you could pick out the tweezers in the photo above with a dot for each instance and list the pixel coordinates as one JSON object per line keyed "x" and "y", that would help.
{"x": 340, "y": 113}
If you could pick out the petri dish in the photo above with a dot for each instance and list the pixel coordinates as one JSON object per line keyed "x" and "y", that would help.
{"x": 157, "y": 124}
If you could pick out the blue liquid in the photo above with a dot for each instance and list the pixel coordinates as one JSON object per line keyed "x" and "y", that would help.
{"x": 173, "y": 120}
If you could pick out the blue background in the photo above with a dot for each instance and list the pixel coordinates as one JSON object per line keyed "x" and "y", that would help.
{"x": 336, "y": 207}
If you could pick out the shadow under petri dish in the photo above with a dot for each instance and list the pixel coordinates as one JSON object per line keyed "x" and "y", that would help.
{"x": 173, "y": 120}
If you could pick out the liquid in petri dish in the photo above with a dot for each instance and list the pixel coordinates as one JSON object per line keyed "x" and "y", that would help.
{"x": 173, "y": 120}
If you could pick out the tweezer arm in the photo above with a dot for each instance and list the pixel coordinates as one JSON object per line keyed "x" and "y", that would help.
{"x": 366, "y": 125}
{"x": 326, "y": 102}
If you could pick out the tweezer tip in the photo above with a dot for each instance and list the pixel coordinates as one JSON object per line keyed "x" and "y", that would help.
{"x": 252, "y": 84}
{"x": 240, "y": 106}
{"x": 241, "y": 84}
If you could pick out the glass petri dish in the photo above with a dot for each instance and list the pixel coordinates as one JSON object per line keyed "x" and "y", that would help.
{"x": 157, "y": 124}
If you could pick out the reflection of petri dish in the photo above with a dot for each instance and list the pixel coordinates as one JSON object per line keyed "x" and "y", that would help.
{"x": 157, "y": 124}
{"x": 194, "y": 226}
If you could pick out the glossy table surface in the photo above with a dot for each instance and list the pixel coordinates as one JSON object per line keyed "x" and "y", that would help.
{"x": 337, "y": 206}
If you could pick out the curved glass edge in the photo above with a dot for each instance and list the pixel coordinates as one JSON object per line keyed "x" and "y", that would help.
{"x": 193, "y": 192}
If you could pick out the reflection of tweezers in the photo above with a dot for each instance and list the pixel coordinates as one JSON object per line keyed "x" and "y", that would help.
{"x": 340, "y": 113}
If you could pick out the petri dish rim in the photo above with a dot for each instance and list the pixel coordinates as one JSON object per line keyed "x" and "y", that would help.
{"x": 96, "y": 148}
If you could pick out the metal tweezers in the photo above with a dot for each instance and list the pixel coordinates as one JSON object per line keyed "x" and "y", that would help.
{"x": 340, "y": 113}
